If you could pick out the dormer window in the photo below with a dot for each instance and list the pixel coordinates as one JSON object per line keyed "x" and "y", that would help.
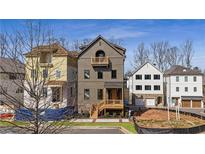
{"x": 45, "y": 57}
{"x": 100, "y": 53}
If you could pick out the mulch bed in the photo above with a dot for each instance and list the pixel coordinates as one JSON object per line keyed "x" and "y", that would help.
{"x": 154, "y": 118}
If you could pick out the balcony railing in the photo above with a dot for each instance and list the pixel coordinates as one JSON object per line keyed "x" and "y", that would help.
{"x": 44, "y": 64}
{"x": 99, "y": 61}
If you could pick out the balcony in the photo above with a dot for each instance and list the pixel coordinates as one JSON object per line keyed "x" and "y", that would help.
{"x": 44, "y": 64}
{"x": 99, "y": 61}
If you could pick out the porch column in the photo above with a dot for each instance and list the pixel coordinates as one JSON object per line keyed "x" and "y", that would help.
{"x": 202, "y": 104}
{"x": 104, "y": 93}
{"x": 191, "y": 103}
{"x": 122, "y": 94}
{"x": 123, "y": 101}
{"x": 62, "y": 96}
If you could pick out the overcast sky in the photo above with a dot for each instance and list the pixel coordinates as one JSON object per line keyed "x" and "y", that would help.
{"x": 132, "y": 32}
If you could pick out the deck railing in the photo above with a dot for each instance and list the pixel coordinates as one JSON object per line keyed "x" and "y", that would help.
{"x": 99, "y": 60}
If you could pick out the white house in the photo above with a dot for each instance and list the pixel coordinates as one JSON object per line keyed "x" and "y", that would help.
{"x": 146, "y": 86}
{"x": 184, "y": 86}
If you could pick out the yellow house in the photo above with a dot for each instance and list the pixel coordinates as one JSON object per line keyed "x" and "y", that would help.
{"x": 53, "y": 70}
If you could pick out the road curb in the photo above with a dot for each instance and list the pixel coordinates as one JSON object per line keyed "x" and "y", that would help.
{"x": 125, "y": 131}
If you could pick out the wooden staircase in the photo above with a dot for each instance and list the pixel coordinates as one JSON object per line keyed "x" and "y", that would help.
{"x": 105, "y": 104}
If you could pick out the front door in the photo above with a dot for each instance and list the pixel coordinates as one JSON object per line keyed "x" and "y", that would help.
{"x": 55, "y": 94}
{"x": 114, "y": 93}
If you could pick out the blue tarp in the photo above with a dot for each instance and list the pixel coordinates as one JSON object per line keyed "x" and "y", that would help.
{"x": 45, "y": 115}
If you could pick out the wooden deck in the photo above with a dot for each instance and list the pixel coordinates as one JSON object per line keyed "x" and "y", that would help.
{"x": 105, "y": 104}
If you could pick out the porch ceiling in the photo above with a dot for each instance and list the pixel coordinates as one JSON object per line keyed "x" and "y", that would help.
{"x": 56, "y": 83}
{"x": 111, "y": 84}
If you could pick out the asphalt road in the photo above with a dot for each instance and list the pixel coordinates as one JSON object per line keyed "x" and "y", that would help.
{"x": 92, "y": 131}
{"x": 13, "y": 130}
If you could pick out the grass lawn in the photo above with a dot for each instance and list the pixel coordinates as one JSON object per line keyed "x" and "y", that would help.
{"x": 127, "y": 125}
{"x": 20, "y": 123}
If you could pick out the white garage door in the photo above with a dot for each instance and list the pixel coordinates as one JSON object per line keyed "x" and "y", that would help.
{"x": 150, "y": 102}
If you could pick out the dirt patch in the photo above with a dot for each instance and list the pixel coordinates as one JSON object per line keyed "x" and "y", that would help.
{"x": 154, "y": 118}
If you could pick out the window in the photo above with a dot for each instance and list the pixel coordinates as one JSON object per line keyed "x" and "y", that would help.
{"x": 19, "y": 90}
{"x": 86, "y": 74}
{"x": 45, "y": 58}
{"x": 1, "y": 102}
{"x": 195, "y": 89}
{"x": 114, "y": 74}
{"x": 147, "y": 87}
{"x": 100, "y": 75}
{"x": 45, "y": 92}
{"x": 100, "y": 53}
{"x": 12, "y": 76}
{"x": 157, "y": 87}
{"x": 71, "y": 92}
{"x": 156, "y": 77}
{"x": 33, "y": 73}
{"x": 138, "y": 87}
{"x": 86, "y": 94}
{"x": 100, "y": 94}
{"x": 186, "y": 78}
{"x": 186, "y": 89}
{"x": 195, "y": 78}
{"x": 138, "y": 77}
{"x": 45, "y": 73}
{"x": 177, "y": 78}
{"x": 55, "y": 94}
{"x": 177, "y": 89}
{"x": 58, "y": 74}
{"x": 147, "y": 77}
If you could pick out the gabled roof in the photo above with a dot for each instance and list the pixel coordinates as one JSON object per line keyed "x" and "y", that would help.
{"x": 54, "y": 48}
{"x": 8, "y": 65}
{"x": 181, "y": 70}
{"x": 115, "y": 47}
{"x": 143, "y": 66}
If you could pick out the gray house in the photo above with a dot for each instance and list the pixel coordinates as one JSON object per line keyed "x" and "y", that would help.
{"x": 100, "y": 78}
{"x": 11, "y": 77}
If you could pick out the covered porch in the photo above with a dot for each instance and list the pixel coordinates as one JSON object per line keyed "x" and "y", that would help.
{"x": 111, "y": 100}
{"x": 55, "y": 93}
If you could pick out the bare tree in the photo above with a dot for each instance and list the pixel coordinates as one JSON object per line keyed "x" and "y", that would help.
{"x": 160, "y": 50}
{"x": 30, "y": 39}
{"x": 174, "y": 57}
{"x": 141, "y": 55}
{"x": 188, "y": 52}
{"x": 2, "y": 44}
{"x": 116, "y": 41}
{"x": 77, "y": 44}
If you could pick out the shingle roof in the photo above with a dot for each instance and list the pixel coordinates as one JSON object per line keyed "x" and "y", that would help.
{"x": 55, "y": 48}
{"x": 136, "y": 70}
{"x": 115, "y": 47}
{"x": 181, "y": 70}
{"x": 8, "y": 65}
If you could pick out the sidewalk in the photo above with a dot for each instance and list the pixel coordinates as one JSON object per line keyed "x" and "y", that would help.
{"x": 100, "y": 120}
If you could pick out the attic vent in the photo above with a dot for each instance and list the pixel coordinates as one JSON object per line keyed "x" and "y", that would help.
{"x": 99, "y": 43}
{"x": 184, "y": 70}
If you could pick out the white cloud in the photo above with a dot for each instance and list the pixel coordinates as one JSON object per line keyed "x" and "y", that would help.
{"x": 121, "y": 33}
